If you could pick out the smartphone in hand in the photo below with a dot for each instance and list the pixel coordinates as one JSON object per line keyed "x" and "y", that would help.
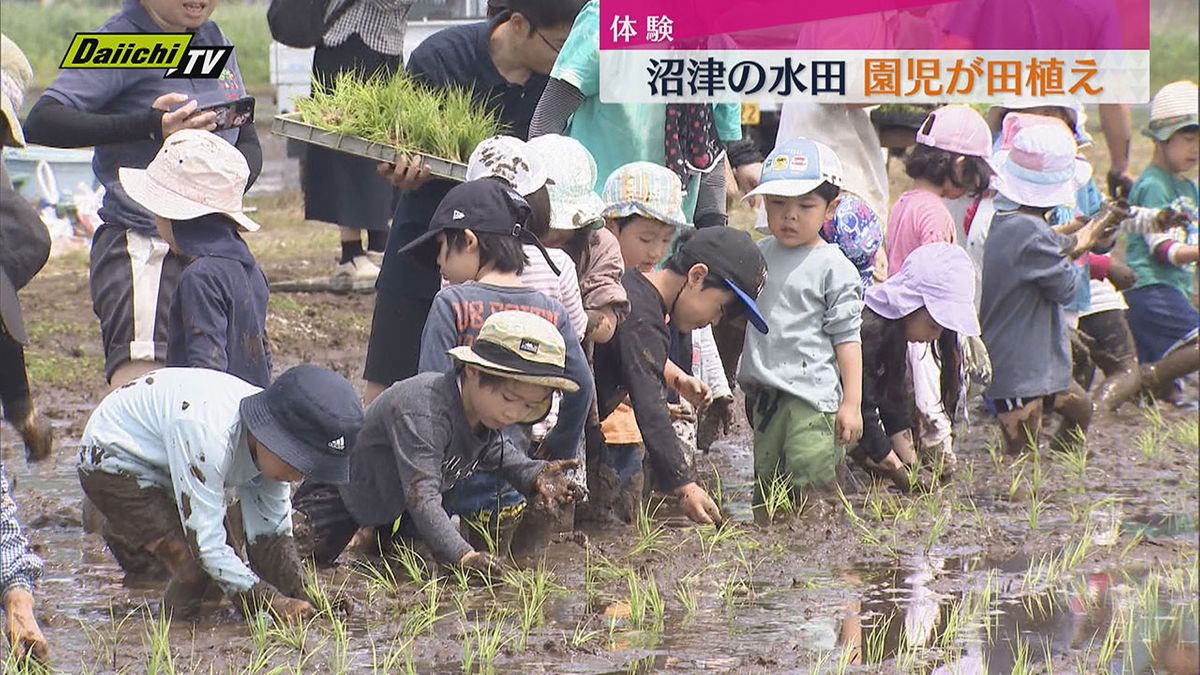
{"x": 231, "y": 114}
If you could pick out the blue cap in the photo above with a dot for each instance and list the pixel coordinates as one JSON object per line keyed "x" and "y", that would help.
{"x": 309, "y": 417}
{"x": 797, "y": 167}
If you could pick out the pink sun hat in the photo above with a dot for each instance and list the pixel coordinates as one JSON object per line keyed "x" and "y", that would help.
{"x": 1041, "y": 168}
{"x": 939, "y": 277}
{"x": 957, "y": 128}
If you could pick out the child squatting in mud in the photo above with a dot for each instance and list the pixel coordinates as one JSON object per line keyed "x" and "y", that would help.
{"x": 425, "y": 434}
{"x": 158, "y": 454}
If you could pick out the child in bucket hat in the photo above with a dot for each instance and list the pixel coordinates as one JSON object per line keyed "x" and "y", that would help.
{"x": 644, "y": 209}
{"x": 930, "y": 300}
{"x": 1027, "y": 279}
{"x": 803, "y": 379}
{"x": 218, "y": 312}
{"x": 158, "y": 453}
{"x": 577, "y": 227}
{"x": 1164, "y": 321}
{"x": 423, "y": 436}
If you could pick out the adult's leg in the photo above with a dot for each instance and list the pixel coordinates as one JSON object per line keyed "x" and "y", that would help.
{"x": 1020, "y": 425}
{"x": 394, "y": 346}
{"x": 19, "y": 408}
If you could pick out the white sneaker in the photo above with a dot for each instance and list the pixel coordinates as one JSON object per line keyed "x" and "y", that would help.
{"x": 359, "y": 269}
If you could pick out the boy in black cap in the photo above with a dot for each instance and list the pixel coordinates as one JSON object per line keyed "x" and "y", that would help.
{"x": 712, "y": 272}
{"x": 425, "y": 434}
{"x": 158, "y": 454}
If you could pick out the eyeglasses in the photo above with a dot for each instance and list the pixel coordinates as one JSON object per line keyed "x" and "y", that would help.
{"x": 548, "y": 43}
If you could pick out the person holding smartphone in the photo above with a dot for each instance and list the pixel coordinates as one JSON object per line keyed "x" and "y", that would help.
{"x": 126, "y": 113}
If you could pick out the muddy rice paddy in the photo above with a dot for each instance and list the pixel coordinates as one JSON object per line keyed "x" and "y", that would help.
{"x": 1079, "y": 562}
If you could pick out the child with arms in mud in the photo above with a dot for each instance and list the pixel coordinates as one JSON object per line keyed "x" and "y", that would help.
{"x": 425, "y": 434}
{"x": 159, "y": 453}
{"x": 949, "y": 161}
{"x": 710, "y": 273}
{"x": 1161, "y": 314}
{"x": 218, "y": 311}
{"x": 479, "y": 228}
{"x": 803, "y": 380}
{"x": 1027, "y": 279}
{"x": 929, "y": 300}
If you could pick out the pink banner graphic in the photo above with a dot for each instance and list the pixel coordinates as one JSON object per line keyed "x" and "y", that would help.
{"x": 909, "y": 25}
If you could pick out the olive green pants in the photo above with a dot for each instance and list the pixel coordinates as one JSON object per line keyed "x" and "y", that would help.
{"x": 791, "y": 437}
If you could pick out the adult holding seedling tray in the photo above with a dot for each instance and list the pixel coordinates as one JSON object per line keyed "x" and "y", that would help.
{"x": 364, "y": 38}
{"x": 501, "y": 64}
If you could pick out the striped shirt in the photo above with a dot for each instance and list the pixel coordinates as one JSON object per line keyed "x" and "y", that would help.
{"x": 19, "y": 567}
{"x": 563, "y": 288}
{"x": 379, "y": 23}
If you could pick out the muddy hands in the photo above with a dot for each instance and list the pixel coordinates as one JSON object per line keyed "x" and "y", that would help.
{"x": 552, "y": 485}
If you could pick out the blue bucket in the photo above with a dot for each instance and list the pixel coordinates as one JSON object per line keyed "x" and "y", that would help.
{"x": 70, "y": 167}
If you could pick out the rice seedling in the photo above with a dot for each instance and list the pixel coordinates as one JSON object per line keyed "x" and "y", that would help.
{"x": 733, "y": 589}
{"x": 1075, "y": 457}
{"x": 716, "y": 489}
{"x": 1014, "y": 485}
{"x": 936, "y": 529}
{"x": 483, "y": 640}
{"x": 876, "y": 639}
{"x": 396, "y": 111}
{"x": 777, "y": 496}
{"x": 1148, "y": 443}
{"x": 339, "y": 659}
{"x": 106, "y": 642}
{"x": 488, "y": 532}
{"x": 397, "y": 660}
{"x": 712, "y": 536}
{"x": 584, "y": 634}
{"x": 422, "y": 617}
{"x": 156, "y": 638}
{"x": 685, "y": 592}
{"x": 1022, "y": 665}
{"x": 411, "y": 563}
{"x": 650, "y": 535}
{"x": 646, "y": 604}
{"x": 534, "y": 588}
{"x": 994, "y": 448}
{"x": 292, "y": 634}
{"x": 1186, "y": 434}
{"x": 380, "y": 579}
{"x": 1034, "y": 512}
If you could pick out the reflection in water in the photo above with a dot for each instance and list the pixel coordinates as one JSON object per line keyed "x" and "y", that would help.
{"x": 1120, "y": 623}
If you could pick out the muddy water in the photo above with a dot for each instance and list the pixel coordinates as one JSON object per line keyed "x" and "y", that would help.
{"x": 805, "y": 595}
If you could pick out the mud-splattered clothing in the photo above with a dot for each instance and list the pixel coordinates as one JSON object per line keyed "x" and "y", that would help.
{"x": 632, "y": 364}
{"x": 414, "y": 446}
{"x": 218, "y": 316}
{"x": 19, "y": 567}
{"x": 180, "y": 430}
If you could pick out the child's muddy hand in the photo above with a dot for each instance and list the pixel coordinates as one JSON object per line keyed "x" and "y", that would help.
{"x": 848, "y": 424}
{"x": 484, "y": 563}
{"x": 553, "y": 486}
{"x": 24, "y": 634}
{"x": 695, "y": 391}
{"x": 1168, "y": 218}
{"x": 288, "y": 609}
{"x": 1120, "y": 184}
{"x": 697, "y": 505}
{"x": 1122, "y": 276}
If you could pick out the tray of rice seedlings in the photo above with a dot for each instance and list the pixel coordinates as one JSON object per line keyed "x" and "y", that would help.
{"x": 384, "y": 116}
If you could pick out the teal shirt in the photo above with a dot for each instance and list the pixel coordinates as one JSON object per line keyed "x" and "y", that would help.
{"x": 619, "y": 133}
{"x": 1157, "y": 189}
{"x": 812, "y": 302}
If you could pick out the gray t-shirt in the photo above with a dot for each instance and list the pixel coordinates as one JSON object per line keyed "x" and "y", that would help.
{"x": 118, "y": 91}
{"x": 813, "y": 302}
{"x": 415, "y": 444}
{"x": 1026, "y": 281}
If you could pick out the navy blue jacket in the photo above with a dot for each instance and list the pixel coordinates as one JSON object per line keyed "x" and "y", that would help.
{"x": 218, "y": 316}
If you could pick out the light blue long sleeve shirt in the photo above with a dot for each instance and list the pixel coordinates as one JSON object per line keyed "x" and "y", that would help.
{"x": 180, "y": 429}
{"x": 812, "y": 301}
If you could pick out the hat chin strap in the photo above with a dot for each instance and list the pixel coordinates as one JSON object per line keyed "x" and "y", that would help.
{"x": 525, "y": 235}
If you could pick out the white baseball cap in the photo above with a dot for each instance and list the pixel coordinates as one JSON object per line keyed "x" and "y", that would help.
{"x": 195, "y": 173}
{"x": 510, "y": 159}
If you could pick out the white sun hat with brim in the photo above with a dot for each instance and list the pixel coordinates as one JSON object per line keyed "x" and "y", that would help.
{"x": 1041, "y": 168}
{"x": 1176, "y": 106}
{"x": 520, "y": 346}
{"x": 571, "y": 182}
{"x": 195, "y": 173}
{"x": 1074, "y": 110}
{"x": 509, "y": 159}
{"x": 15, "y": 75}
